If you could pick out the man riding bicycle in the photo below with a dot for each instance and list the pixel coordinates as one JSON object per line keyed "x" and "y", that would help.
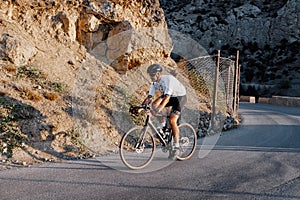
{"x": 173, "y": 95}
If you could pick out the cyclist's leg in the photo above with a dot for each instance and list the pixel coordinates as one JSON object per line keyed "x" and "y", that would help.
{"x": 154, "y": 105}
{"x": 177, "y": 107}
{"x": 175, "y": 131}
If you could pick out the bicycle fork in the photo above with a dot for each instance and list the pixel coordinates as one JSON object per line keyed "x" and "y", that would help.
{"x": 139, "y": 147}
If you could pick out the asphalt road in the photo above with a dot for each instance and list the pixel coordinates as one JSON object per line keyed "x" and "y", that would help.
{"x": 259, "y": 160}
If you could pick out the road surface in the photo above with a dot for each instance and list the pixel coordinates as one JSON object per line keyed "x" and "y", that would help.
{"x": 258, "y": 160}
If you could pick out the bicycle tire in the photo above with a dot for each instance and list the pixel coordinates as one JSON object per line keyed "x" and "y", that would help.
{"x": 187, "y": 141}
{"x": 137, "y": 158}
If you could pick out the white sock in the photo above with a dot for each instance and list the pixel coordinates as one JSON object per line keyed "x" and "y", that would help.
{"x": 161, "y": 125}
{"x": 176, "y": 145}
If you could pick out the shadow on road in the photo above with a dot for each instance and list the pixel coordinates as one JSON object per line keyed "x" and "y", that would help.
{"x": 155, "y": 189}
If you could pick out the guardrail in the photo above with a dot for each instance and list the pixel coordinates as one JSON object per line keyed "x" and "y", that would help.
{"x": 274, "y": 100}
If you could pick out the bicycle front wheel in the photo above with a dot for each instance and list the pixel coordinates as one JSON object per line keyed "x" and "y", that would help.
{"x": 137, "y": 148}
{"x": 187, "y": 141}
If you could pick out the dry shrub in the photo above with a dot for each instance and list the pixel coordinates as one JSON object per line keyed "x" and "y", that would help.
{"x": 27, "y": 93}
{"x": 34, "y": 97}
{"x": 51, "y": 96}
{"x": 3, "y": 93}
{"x": 4, "y": 82}
{"x": 10, "y": 68}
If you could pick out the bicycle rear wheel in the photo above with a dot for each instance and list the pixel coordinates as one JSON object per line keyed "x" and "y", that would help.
{"x": 187, "y": 141}
{"x": 136, "y": 152}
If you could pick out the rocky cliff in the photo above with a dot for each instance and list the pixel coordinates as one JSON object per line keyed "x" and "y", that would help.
{"x": 49, "y": 49}
{"x": 265, "y": 32}
{"x": 87, "y": 24}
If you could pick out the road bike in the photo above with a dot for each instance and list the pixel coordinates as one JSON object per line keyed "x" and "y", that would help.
{"x": 138, "y": 145}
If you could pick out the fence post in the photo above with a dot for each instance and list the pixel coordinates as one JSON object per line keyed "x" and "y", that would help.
{"x": 215, "y": 95}
{"x": 228, "y": 95}
{"x": 238, "y": 91}
{"x": 236, "y": 85}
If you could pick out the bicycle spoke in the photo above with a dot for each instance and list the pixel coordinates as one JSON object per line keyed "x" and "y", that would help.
{"x": 187, "y": 141}
{"x": 137, "y": 151}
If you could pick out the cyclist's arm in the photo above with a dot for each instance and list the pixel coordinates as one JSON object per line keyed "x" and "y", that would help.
{"x": 163, "y": 103}
{"x": 148, "y": 100}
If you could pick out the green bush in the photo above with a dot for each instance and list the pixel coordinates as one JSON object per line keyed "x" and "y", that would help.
{"x": 40, "y": 78}
{"x": 11, "y": 136}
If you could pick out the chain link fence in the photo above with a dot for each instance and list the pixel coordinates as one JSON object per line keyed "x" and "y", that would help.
{"x": 215, "y": 81}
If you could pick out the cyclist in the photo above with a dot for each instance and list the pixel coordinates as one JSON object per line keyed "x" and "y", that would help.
{"x": 173, "y": 95}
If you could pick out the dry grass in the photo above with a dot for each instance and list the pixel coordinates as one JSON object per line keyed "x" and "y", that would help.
{"x": 3, "y": 93}
{"x": 4, "y": 82}
{"x": 51, "y": 96}
{"x": 27, "y": 93}
{"x": 10, "y": 68}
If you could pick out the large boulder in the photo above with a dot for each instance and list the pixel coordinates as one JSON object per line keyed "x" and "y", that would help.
{"x": 16, "y": 49}
{"x": 126, "y": 34}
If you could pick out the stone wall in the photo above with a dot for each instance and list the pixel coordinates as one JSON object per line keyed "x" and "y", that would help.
{"x": 274, "y": 100}
{"x": 285, "y": 101}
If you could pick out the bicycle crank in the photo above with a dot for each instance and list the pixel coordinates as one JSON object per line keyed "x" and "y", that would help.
{"x": 139, "y": 148}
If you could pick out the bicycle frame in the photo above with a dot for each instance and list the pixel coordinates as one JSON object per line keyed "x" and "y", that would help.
{"x": 148, "y": 124}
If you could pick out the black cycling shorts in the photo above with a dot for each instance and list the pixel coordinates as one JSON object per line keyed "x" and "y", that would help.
{"x": 177, "y": 104}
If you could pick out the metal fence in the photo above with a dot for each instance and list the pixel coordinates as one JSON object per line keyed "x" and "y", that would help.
{"x": 216, "y": 81}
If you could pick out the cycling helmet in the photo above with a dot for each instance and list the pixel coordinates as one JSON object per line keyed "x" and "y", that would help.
{"x": 152, "y": 69}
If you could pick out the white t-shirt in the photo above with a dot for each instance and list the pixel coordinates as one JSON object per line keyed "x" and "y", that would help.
{"x": 168, "y": 85}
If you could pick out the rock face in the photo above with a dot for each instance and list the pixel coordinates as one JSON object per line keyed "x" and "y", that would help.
{"x": 16, "y": 49}
{"x": 113, "y": 32}
{"x": 265, "y": 32}
{"x": 92, "y": 24}
{"x": 50, "y": 48}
